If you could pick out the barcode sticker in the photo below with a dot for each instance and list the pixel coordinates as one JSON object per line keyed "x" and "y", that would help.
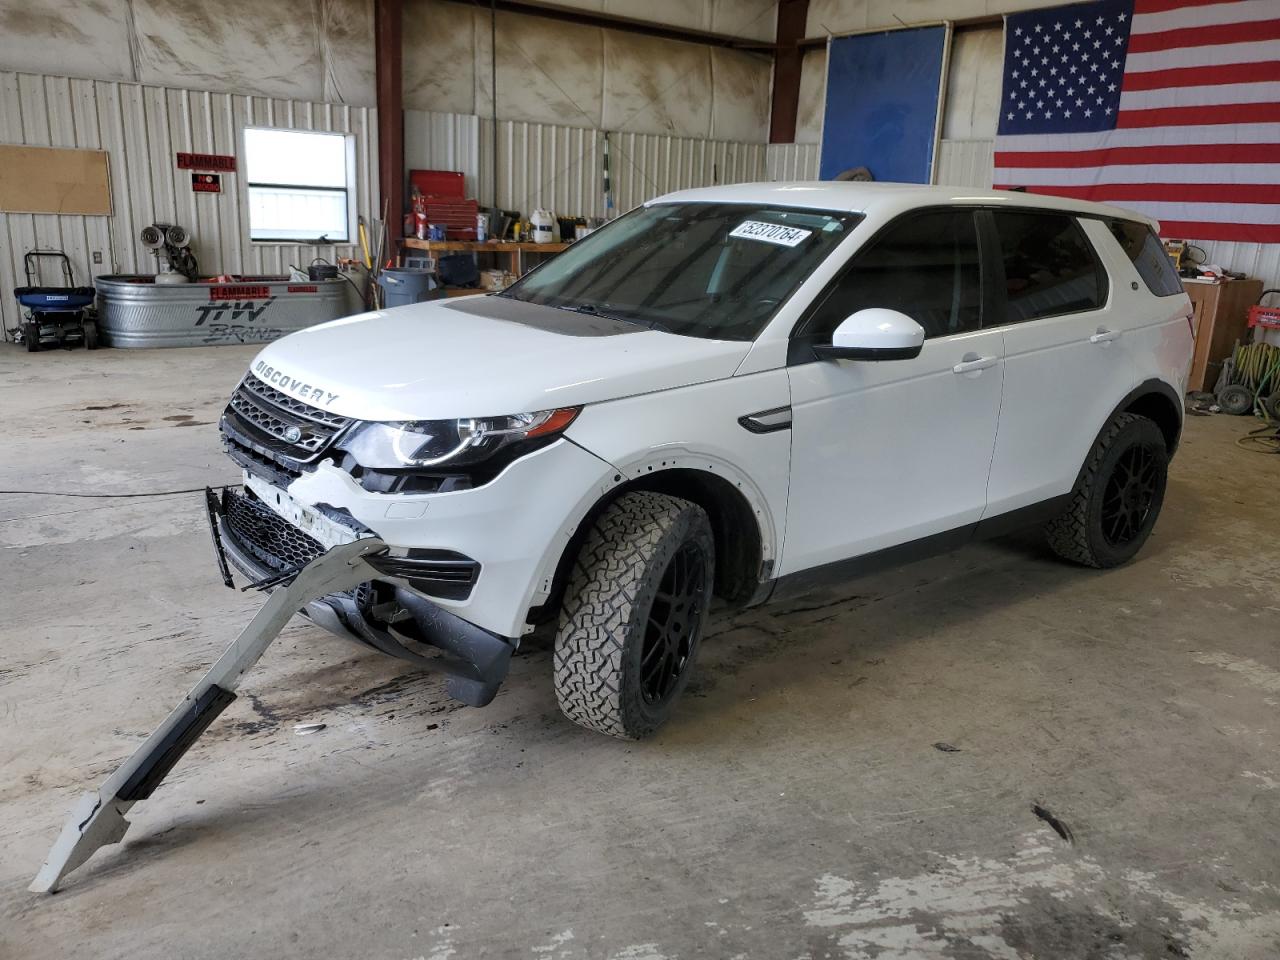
{"x": 770, "y": 233}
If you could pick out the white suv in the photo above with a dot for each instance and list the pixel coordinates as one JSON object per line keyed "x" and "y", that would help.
{"x": 736, "y": 391}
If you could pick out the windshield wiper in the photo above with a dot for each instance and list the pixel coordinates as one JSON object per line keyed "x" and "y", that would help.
{"x": 590, "y": 309}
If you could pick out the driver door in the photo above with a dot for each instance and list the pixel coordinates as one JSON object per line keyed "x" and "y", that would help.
{"x": 889, "y": 452}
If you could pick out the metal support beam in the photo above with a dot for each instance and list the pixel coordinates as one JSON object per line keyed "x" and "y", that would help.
{"x": 611, "y": 21}
{"x": 787, "y": 61}
{"x": 388, "y": 17}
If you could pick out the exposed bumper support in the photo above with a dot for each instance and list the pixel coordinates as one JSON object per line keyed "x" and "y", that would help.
{"x": 474, "y": 660}
{"x": 98, "y": 817}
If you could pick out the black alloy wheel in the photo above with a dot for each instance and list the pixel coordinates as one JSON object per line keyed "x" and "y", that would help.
{"x": 1117, "y": 496}
{"x": 1129, "y": 494}
{"x": 672, "y": 624}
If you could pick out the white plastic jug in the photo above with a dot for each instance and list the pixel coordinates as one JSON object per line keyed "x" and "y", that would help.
{"x": 543, "y": 226}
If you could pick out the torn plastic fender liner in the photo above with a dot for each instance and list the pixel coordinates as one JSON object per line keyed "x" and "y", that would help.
{"x": 98, "y": 817}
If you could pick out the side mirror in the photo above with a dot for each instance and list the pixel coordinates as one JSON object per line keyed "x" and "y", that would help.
{"x": 874, "y": 334}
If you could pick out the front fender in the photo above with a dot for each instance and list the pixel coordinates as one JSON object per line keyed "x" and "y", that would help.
{"x": 698, "y": 428}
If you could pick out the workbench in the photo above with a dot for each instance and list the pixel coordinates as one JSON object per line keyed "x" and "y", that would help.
{"x": 514, "y": 250}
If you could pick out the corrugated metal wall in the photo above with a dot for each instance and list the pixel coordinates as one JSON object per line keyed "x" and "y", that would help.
{"x": 792, "y": 161}
{"x": 1261, "y": 260}
{"x": 647, "y": 165}
{"x": 965, "y": 163}
{"x": 560, "y": 168}
{"x": 50, "y": 113}
{"x": 141, "y": 128}
{"x": 443, "y": 141}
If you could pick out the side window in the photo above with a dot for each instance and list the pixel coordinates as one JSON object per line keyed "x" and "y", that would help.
{"x": 1144, "y": 248}
{"x": 1049, "y": 266}
{"x": 925, "y": 266}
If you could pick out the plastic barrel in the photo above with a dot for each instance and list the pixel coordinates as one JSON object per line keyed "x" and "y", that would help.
{"x": 405, "y": 286}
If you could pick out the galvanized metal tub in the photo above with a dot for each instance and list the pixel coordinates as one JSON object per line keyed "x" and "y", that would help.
{"x": 137, "y": 312}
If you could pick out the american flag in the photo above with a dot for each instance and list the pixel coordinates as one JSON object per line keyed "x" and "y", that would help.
{"x": 1168, "y": 107}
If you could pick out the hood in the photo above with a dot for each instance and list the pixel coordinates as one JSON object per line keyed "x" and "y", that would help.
{"x": 483, "y": 356}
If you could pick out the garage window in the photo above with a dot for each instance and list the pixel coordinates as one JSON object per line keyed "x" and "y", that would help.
{"x": 299, "y": 185}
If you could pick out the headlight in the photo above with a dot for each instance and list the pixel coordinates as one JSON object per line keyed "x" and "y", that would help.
{"x": 453, "y": 443}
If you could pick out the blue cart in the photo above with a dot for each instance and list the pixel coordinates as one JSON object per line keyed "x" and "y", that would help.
{"x": 56, "y": 316}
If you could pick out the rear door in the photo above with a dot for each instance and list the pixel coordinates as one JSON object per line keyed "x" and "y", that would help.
{"x": 1067, "y": 360}
{"x": 898, "y": 450}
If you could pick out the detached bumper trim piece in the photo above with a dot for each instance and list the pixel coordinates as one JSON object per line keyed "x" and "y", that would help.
{"x": 98, "y": 818}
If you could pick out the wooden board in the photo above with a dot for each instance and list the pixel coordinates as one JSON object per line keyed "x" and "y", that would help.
{"x": 54, "y": 180}
{"x": 1221, "y": 317}
{"x": 489, "y": 246}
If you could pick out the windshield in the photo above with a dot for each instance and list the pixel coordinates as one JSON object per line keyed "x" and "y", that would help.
{"x": 712, "y": 270}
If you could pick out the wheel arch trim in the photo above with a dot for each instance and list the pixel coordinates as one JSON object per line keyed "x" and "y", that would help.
{"x": 658, "y": 462}
{"x": 1153, "y": 387}
{"x": 632, "y": 474}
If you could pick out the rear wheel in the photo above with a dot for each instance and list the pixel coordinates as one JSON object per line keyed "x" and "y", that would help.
{"x": 633, "y": 614}
{"x": 31, "y": 335}
{"x": 90, "y": 335}
{"x": 1119, "y": 497}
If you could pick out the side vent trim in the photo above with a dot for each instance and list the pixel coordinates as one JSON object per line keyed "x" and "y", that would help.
{"x": 767, "y": 421}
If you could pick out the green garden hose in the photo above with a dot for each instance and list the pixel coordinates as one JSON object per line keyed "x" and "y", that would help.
{"x": 1257, "y": 367}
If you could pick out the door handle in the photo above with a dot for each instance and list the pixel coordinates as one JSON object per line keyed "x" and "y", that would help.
{"x": 1105, "y": 336}
{"x": 972, "y": 363}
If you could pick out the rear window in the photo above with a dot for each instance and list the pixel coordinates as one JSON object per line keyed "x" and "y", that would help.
{"x": 1049, "y": 266}
{"x": 1145, "y": 250}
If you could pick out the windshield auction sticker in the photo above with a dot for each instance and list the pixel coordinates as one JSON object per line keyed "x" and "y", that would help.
{"x": 770, "y": 233}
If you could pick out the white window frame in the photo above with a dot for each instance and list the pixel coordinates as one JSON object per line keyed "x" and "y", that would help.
{"x": 349, "y": 190}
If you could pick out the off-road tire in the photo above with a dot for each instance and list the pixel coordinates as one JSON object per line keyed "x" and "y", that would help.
{"x": 1077, "y": 534}
{"x": 611, "y": 591}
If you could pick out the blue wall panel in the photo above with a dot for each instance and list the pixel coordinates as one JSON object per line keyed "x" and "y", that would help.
{"x": 882, "y": 103}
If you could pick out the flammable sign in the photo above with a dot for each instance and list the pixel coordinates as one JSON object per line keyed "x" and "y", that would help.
{"x": 206, "y": 182}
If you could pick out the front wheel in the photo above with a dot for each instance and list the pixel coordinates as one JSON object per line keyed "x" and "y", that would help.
{"x": 633, "y": 614}
{"x": 1119, "y": 497}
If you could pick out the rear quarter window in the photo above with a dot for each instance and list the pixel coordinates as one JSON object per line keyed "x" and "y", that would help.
{"x": 1146, "y": 252}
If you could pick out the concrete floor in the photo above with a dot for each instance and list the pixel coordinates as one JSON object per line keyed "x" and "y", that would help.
{"x": 800, "y": 805}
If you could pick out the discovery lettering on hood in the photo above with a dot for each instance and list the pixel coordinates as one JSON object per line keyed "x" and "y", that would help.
{"x": 303, "y": 391}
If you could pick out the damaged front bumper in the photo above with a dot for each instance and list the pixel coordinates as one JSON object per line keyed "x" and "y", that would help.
{"x": 389, "y": 614}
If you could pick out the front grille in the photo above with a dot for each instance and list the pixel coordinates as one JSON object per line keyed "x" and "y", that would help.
{"x": 271, "y": 539}
{"x": 276, "y": 470}
{"x": 287, "y": 426}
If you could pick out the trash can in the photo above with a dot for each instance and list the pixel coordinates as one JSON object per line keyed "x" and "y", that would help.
{"x": 405, "y": 286}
